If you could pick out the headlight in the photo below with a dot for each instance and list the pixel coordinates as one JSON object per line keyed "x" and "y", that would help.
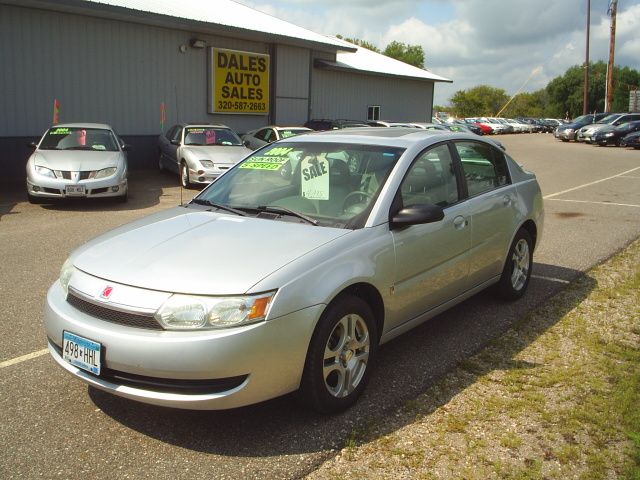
{"x": 186, "y": 312}
{"x": 568, "y": 130}
{"x": 610, "y": 134}
{"x": 45, "y": 172}
{"x": 105, "y": 172}
{"x": 206, "y": 163}
{"x": 65, "y": 275}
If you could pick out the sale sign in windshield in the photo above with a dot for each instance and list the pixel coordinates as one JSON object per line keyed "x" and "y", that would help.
{"x": 239, "y": 82}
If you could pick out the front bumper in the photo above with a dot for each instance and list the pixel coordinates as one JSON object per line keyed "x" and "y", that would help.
{"x": 43, "y": 187}
{"x": 207, "y": 175}
{"x": 566, "y": 135}
{"x": 257, "y": 362}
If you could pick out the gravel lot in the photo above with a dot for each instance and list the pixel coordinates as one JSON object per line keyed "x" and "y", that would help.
{"x": 53, "y": 426}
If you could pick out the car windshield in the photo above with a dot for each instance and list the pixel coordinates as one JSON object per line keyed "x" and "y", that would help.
{"x": 334, "y": 184}
{"x": 79, "y": 138}
{"x": 291, "y": 132}
{"x": 204, "y": 136}
{"x": 609, "y": 119}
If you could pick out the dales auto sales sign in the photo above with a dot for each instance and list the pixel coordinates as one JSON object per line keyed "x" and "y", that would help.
{"x": 239, "y": 82}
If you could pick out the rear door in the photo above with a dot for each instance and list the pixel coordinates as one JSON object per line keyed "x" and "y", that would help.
{"x": 492, "y": 208}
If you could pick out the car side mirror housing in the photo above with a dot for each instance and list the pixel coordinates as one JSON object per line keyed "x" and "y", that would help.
{"x": 246, "y": 143}
{"x": 32, "y": 145}
{"x": 417, "y": 215}
{"x": 175, "y": 142}
{"x": 126, "y": 148}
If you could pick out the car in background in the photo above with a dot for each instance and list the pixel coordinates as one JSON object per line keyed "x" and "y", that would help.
{"x": 486, "y": 129}
{"x": 569, "y": 131}
{"x": 586, "y": 133}
{"x": 382, "y": 123}
{"x": 324, "y": 124}
{"x": 77, "y": 160}
{"x": 497, "y": 126}
{"x": 631, "y": 140}
{"x": 430, "y": 126}
{"x": 611, "y": 135}
{"x": 259, "y": 138}
{"x": 329, "y": 245}
{"x": 199, "y": 153}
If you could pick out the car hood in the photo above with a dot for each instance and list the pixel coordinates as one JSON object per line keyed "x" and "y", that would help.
{"x": 76, "y": 160}
{"x": 216, "y": 153}
{"x": 184, "y": 250}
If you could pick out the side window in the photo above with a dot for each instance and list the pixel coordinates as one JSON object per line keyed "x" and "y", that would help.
{"x": 431, "y": 179}
{"x": 373, "y": 112}
{"x": 484, "y": 167}
{"x": 177, "y": 134}
{"x": 170, "y": 133}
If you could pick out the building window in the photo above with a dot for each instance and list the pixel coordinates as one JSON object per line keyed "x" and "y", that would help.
{"x": 373, "y": 112}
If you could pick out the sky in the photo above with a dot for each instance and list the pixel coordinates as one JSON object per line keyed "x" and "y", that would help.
{"x": 516, "y": 45}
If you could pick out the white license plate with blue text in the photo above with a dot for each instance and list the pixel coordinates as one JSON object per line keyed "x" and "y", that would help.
{"x": 81, "y": 352}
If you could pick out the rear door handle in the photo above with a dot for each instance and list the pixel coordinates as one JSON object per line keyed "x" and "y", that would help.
{"x": 506, "y": 199}
{"x": 459, "y": 222}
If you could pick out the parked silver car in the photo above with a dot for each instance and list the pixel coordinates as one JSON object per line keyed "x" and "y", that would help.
{"x": 199, "y": 153}
{"x": 77, "y": 160}
{"x": 586, "y": 133}
{"x": 321, "y": 248}
{"x": 259, "y": 138}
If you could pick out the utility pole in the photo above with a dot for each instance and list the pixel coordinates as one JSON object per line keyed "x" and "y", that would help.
{"x": 585, "y": 97}
{"x": 613, "y": 8}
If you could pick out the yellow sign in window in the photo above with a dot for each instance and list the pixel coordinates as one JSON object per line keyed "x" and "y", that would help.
{"x": 239, "y": 82}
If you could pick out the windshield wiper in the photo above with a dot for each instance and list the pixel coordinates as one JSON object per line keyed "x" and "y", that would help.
{"x": 219, "y": 206}
{"x": 278, "y": 209}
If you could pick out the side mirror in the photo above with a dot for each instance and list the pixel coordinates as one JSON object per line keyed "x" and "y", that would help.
{"x": 32, "y": 145}
{"x": 126, "y": 148}
{"x": 417, "y": 215}
{"x": 175, "y": 142}
{"x": 246, "y": 143}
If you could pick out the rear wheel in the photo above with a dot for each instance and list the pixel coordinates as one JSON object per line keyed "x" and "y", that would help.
{"x": 517, "y": 269}
{"x": 340, "y": 355}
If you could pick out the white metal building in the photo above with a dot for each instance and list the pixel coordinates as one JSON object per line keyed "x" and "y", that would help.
{"x": 143, "y": 65}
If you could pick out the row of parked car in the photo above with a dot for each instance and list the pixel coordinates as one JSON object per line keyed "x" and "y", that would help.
{"x": 619, "y": 129}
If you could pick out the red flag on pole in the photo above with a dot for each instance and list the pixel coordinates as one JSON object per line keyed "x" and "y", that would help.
{"x": 163, "y": 116}
{"x": 56, "y": 111}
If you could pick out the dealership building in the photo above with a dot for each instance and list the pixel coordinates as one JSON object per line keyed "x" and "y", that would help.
{"x": 143, "y": 65}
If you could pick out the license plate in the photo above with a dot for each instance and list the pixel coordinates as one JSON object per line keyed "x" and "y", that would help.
{"x": 81, "y": 352}
{"x": 74, "y": 190}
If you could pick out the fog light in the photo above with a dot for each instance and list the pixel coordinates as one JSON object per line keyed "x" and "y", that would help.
{"x": 115, "y": 189}
{"x": 36, "y": 188}
{"x": 201, "y": 179}
{"x": 200, "y": 172}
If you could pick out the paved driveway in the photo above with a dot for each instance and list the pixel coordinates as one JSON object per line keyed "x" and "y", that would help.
{"x": 53, "y": 426}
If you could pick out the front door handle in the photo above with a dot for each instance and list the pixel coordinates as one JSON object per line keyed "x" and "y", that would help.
{"x": 459, "y": 222}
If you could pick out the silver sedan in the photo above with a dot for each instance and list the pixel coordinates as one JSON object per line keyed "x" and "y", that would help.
{"x": 329, "y": 245}
{"x": 77, "y": 160}
{"x": 199, "y": 153}
{"x": 259, "y": 138}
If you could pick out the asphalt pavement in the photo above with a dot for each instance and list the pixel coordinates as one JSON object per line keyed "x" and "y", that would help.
{"x": 53, "y": 426}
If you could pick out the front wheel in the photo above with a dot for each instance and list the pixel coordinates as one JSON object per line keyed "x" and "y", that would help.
{"x": 517, "y": 269}
{"x": 184, "y": 176}
{"x": 340, "y": 356}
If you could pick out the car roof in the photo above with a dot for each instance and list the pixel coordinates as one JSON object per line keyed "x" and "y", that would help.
{"x": 82, "y": 125}
{"x": 391, "y": 137}
{"x": 203, "y": 125}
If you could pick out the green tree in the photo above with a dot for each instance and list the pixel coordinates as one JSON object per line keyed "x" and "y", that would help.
{"x": 482, "y": 100}
{"x": 360, "y": 43}
{"x": 411, "y": 54}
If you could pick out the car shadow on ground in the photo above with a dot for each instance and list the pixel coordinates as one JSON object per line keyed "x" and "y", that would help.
{"x": 146, "y": 189}
{"x": 406, "y": 368}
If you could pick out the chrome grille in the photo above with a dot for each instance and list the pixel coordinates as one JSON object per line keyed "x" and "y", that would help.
{"x": 136, "y": 320}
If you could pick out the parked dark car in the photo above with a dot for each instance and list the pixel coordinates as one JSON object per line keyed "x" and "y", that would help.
{"x": 611, "y": 135}
{"x": 631, "y": 140}
{"x": 570, "y": 130}
{"x": 324, "y": 124}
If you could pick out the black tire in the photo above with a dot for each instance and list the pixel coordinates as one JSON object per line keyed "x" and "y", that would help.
{"x": 329, "y": 390}
{"x": 34, "y": 200}
{"x": 160, "y": 165}
{"x": 517, "y": 268}
{"x": 184, "y": 175}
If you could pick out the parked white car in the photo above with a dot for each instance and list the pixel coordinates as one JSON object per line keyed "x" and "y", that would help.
{"x": 259, "y": 138}
{"x": 77, "y": 160}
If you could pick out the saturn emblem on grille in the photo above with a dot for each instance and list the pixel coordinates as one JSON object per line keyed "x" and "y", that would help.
{"x": 106, "y": 293}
